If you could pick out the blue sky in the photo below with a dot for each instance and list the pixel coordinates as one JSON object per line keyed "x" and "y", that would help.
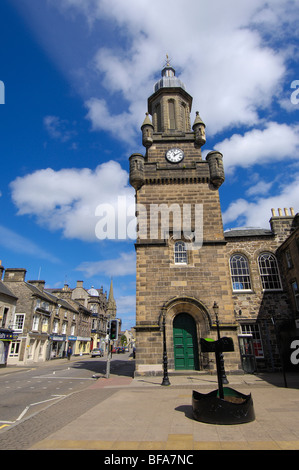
{"x": 77, "y": 75}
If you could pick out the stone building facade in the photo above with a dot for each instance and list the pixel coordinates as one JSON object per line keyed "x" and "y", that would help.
{"x": 44, "y": 323}
{"x": 8, "y": 303}
{"x": 260, "y": 288}
{"x": 183, "y": 255}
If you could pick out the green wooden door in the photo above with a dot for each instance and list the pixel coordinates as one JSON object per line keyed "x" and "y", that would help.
{"x": 185, "y": 343}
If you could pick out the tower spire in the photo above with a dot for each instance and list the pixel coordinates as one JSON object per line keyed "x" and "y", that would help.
{"x": 111, "y": 306}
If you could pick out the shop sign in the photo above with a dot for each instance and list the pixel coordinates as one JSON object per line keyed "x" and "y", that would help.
{"x": 57, "y": 337}
{"x": 6, "y": 335}
{"x": 72, "y": 338}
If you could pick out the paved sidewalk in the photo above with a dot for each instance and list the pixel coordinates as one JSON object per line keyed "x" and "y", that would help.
{"x": 143, "y": 415}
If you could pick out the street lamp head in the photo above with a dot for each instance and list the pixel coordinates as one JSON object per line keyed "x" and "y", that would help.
{"x": 215, "y": 308}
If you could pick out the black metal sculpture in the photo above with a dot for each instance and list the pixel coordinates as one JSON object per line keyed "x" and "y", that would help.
{"x": 225, "y": 405}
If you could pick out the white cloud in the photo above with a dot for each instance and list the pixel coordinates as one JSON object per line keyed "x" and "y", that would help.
{"x": 124, "y": 265}
{"x": 257, "y": 214}
{"x": 259, "y": 188}
{"x": 121, "y": 125}
{"x": 275, "y": 142}
{"x": 227, "y": 68}
{"x": 67, "y": 199}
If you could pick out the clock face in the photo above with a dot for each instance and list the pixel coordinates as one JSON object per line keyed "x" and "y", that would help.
{"x": 174, "y": 155}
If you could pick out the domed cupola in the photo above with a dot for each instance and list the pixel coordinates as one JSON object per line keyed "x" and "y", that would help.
{"x": 93, "y": 292}
{"x": 170, "y": 104}
{"x": 168, "y": 80}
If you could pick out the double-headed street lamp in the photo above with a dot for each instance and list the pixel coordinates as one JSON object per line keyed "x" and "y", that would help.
{"x": 221, "y": 360}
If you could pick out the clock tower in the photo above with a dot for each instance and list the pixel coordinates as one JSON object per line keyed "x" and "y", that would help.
{"x": 182, "y": 267}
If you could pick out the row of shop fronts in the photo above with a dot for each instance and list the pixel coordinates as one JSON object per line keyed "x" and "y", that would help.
{"x": 32, "y": 348}
{"x": 6, "y": 339}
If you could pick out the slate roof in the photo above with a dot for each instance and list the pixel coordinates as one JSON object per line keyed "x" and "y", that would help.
{"x": 247, "y": 232}
{"x": 4, "y": 290}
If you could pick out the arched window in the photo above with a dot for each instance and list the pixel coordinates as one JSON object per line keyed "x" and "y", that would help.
{"x": 180, "y": 253}
{"x": 184, "y": 117}
{"x": 240, "y": 275}
{"x": 171, "y": 113}
{"x": 157, "y": 118}
{"x": 269, "y": 272}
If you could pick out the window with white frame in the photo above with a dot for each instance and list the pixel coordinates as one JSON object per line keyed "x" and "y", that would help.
{"x": 180, "y": 253}
{"x": 45, "y": 323}
{"x": 55, "y": 326}
{"x": 240, "y": 275}
{"x": 254, "y": 330}
{"x": 19, "y": 322}
{"x": 14, "y": 348}
{"x": 35, "y": 322}
{"x": 45, "y": 305}
{"x": 269, "y": 272}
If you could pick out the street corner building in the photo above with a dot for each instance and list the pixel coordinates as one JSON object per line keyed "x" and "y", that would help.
{"x": 186, "y": 262}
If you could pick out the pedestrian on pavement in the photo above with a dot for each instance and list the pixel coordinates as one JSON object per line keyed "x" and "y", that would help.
{"x": 69, "y": 352}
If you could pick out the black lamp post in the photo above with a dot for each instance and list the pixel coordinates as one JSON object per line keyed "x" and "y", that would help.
{"x": 165, "y": 380}
{"x": 222, "y": 370}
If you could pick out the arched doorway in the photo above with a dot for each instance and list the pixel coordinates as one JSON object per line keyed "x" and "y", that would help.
{"x": 185, "y": 343}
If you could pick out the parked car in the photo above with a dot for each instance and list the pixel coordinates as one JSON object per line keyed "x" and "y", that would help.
{"x": 97, "y": 352}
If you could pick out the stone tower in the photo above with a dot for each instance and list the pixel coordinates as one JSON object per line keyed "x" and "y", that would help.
{"x": 180, "y": 248}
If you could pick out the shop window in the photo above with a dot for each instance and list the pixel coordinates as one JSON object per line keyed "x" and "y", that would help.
{"x": 254, "y": 330}
{"x": 14, "y": 348}
{"x": 240, "y": 275}
{"x": 269, "y": 272}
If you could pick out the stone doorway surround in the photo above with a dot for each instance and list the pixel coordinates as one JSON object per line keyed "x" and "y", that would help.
{"x": 200, "y": 314}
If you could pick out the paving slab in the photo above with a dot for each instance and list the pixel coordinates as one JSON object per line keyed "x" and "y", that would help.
{"x": 144, "y": 415}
